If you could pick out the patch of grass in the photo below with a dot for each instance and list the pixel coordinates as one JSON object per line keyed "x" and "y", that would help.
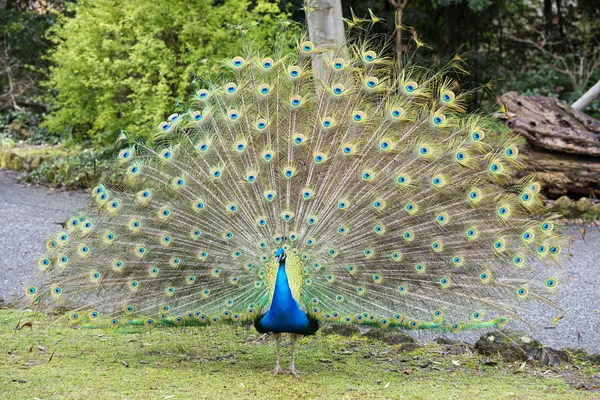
{"x": 235, "y": 362}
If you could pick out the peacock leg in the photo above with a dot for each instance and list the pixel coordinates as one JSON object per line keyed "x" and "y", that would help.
{"x": 293, "y": 369}
{"x": 277, "y": 369}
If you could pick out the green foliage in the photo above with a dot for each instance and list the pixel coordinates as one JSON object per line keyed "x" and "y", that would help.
{"x": 475, "y": 5}
{"x": 119, "y": 65}
{"x": 79, "y": 168}
{"x": 560, "y": 60}
{"x": 22, "y": 46}
{"x": 22, "y": 66}
{"x": 24, "y": 126}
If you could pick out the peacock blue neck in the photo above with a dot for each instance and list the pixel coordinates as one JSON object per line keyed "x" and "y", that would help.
{"x": 285, "y": 314}
{"x": 283, "y": 301}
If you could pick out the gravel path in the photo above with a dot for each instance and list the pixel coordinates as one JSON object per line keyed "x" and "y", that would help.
{"x": 28, "y": 215}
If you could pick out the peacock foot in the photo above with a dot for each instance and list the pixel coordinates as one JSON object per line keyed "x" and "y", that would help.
{"x": 293, "y": 371}
{"x": 277, "y": 370}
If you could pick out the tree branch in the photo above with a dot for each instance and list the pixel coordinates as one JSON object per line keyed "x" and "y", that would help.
{"x": 587, "y": 98}
{"x": 399, "y": 6}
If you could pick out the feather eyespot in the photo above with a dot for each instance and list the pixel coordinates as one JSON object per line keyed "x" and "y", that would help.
{"x": 411, "y": 87}
{"x": 267, "y": 63}
{"x": 230, "y": 88}
{"x": 370, "y": 56}
{"x": 202, "y": 147}
{"x": 237, "y": 62}
{"x": 264, "y": 89}
{"x": 307, "y": 47}
{"x": 371, "y": 82}
{"x": 518, "y": 260}
{"x": 547, "y": 226}
{"x": 320, "y": 157}
{"x": 447, "y": 96}
{"x": 438, "y": 119}
{"x": 358, "y": 116}
{"x": 477, "y": 135}
{"x": 202, "y": 94}
{"x": 338, "y": 64}
{"x": 296, "y": 101}
{"x": 338, "y": 89}
{"x": 294, "y": 71}
{"x": 403, "y": 180}
{"x": 511, "y": 152}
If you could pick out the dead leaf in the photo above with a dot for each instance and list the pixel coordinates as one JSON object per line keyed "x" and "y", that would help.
{"x": 456, "y": 362}
{"x": 407, "y": 371}
{"x": 386, "y": 385}
{"x": 29, "y": 324}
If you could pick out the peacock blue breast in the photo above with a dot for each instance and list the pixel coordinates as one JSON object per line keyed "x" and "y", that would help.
{"x": 285, "y": 314}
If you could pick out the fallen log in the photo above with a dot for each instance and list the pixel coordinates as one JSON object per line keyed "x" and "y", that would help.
{"x": 563, "y": 143}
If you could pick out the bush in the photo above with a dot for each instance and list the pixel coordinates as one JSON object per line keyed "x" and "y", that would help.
{"x": 76, "y": 170}
{"x": 120, "y": 65}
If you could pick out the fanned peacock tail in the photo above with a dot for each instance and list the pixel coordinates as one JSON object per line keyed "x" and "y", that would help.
{"x": 395, "y": 207}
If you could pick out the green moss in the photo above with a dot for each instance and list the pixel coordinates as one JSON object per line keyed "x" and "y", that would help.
{"x": 234, "y": 362}
{"x": 28, "y": 157}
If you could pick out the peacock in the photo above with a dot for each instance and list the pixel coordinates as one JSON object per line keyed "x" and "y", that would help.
{"x": 364, "y": 194}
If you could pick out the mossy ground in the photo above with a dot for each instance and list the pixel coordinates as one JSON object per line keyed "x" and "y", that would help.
{"x": 234, "y": 362}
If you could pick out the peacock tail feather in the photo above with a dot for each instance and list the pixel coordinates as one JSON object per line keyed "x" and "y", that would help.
{"x": 394, "y": 205}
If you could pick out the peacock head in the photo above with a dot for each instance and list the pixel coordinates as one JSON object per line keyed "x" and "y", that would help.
{"x": 280, "y": 255}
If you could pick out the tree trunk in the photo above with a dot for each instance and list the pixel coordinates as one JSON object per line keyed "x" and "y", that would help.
{"x": 563, "y": 143}
{"x": 325, "y": 25}
{"x": 548, "y": 15}
{"x": 564, "y": 174}
{"x": 560, "y": 19}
